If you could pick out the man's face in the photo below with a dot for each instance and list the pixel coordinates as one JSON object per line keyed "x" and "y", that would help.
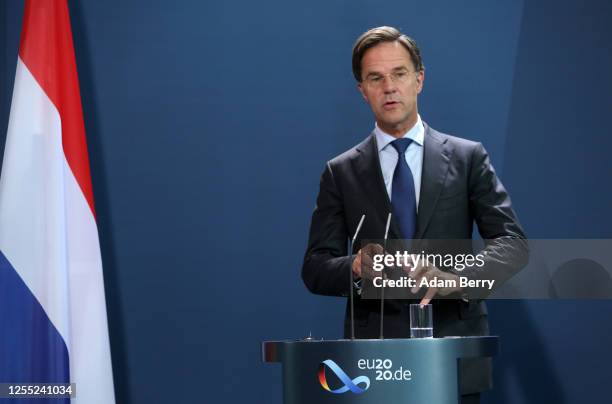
{"x": 390, "y": 85}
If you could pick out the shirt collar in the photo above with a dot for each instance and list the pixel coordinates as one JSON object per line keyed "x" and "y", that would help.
{"x": 416, "y": 133}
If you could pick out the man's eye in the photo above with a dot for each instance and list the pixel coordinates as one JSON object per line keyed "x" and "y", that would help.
{"x": 400, "y": 75}
{"x": 375, "y": 79}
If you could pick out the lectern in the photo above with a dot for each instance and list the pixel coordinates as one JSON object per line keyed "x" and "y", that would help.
{"x": 407, "y": 371}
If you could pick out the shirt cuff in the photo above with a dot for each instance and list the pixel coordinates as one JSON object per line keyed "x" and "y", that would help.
{"x": 357, "y": 285}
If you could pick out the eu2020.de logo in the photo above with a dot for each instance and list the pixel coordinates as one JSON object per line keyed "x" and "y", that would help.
{"x": 354, "y": 385}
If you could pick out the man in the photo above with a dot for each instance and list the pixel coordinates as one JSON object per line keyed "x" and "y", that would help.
{"x": 435, "y": 185}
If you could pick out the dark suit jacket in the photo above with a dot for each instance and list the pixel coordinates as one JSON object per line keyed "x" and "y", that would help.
{"x": 458, "y": 187}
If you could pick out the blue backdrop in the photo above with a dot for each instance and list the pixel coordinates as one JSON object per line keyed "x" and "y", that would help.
{"x": 209, "y": 124}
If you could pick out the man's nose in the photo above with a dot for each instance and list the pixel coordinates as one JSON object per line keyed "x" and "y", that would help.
{"x": 388, "y": 85}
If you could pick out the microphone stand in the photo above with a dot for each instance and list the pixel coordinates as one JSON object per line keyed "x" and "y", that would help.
{"x": 352, "y": 280}
{"x": 382, "y": 291}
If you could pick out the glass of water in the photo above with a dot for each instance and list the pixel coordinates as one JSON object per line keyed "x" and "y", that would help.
{"x": 421, "y": 321}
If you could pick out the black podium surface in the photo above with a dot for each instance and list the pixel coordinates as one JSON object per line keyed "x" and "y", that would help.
{"x": 407, "y": 371}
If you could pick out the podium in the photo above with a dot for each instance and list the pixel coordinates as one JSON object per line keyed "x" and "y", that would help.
{"x": 407, "y": 371}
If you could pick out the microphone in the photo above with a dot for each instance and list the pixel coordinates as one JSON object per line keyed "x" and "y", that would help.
{"x": 382, "y": 291}
{"x": 352, "y": 280}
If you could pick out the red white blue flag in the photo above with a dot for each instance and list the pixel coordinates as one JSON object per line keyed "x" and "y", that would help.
{"x": 53, "y": 324}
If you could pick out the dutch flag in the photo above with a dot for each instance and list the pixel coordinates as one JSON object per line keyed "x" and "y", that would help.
{"x": 53, "y": 325}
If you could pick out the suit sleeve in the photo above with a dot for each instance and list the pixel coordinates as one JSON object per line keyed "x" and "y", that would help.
{"x": 326, "y": 268}
{"x": 506, "y": 250}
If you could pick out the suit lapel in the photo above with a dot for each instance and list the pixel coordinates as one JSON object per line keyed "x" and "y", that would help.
{"x": 436, "y": 158}
{"x": 367, "y": 166}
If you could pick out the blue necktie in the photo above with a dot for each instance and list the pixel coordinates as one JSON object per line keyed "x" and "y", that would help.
{"x": 403, "y": 198}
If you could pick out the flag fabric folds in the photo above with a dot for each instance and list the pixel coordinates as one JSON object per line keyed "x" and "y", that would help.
{"x": 53, "y": 324}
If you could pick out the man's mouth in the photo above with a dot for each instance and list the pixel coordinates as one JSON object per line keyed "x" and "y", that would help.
{"x": 390, "y": 104}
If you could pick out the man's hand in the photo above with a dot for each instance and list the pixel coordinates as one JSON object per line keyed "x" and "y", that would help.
{"x": 362, "y": 264}
{"x": 428, "y": 272}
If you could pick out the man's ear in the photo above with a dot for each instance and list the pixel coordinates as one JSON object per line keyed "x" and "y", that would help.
{"x": 420, "y": 80}
{"x": 363, "y": 94}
